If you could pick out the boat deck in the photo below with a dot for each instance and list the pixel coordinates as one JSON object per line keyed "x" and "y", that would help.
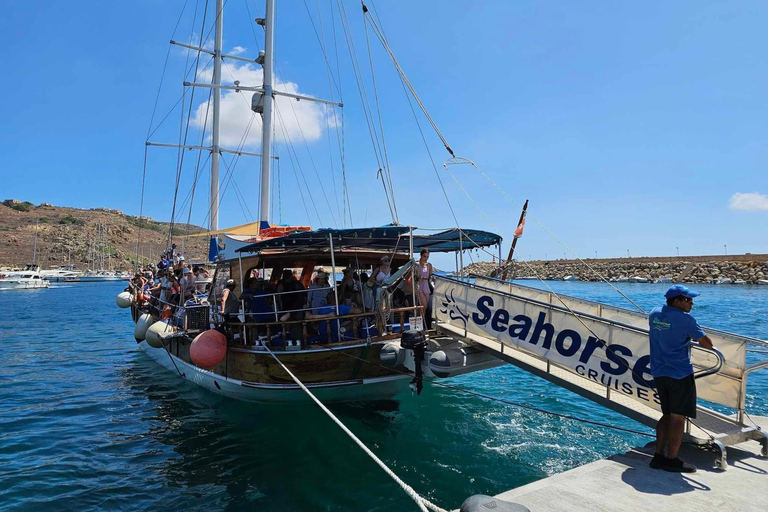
{"x": 626, "y": 482}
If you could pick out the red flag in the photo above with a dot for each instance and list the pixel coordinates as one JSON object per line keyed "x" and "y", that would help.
{"x": 519, "y": 231}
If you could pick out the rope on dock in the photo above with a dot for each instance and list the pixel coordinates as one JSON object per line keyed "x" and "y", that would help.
{"x": 422, "y": 503}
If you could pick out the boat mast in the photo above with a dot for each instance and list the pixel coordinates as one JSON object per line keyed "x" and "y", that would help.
{"x": 266, "y": 125}
{"x": 217, "y": 49}
{"x": 34, "y": 251}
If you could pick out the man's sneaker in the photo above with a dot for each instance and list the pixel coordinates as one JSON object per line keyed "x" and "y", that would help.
{"x": 658, "y": 461}
{"x": 677, "y": 466}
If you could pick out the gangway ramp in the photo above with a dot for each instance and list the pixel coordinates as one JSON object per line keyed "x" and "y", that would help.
{"x": 597, "y": 351}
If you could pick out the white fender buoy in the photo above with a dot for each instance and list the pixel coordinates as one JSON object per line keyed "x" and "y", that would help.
{"x": 156, "y": 332}
{"x": 142, "y": 324}
{"x": 208, "y": 349}
{"x": 124, "y": 299}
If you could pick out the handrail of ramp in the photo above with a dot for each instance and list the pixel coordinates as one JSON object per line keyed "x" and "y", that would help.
{"x": 714, "y": 369}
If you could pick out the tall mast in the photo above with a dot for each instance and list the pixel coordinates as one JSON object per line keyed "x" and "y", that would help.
{"x": 266, "y": 132}
{"x": 217, "y": 50}
{"x": 34, "y": 251}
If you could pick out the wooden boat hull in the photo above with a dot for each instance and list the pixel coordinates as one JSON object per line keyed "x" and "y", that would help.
{"x": 385, "y": 385}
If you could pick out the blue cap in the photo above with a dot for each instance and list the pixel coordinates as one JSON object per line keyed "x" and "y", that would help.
{"x": 678, "y": 289}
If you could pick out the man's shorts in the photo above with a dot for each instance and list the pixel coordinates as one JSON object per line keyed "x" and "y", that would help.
{"x": 677, "y": 396}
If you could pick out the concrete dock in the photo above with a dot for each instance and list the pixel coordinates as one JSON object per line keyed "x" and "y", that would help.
{"x": 626, "y": 482}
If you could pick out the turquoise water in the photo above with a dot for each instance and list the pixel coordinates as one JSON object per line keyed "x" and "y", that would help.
{"x": 88, "y": 422}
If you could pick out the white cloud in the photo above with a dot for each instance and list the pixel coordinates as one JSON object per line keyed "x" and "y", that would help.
{"x": 749, "y": 201}
{"x": 292, "y": 117}
{"x": 237, "y": 50}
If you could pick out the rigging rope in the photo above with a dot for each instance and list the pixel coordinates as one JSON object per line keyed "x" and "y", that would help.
{"x": 380, "y": 34}
{"x": 165, "y": 66}
{"x": 436, "y": 382}
{"x": 358, "y": 73}
{"x": 505, "y": 194}
{"x": 422, "y": 503}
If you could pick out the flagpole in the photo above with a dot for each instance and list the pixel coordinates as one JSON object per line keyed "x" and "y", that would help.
{"x": 514, "y": 240}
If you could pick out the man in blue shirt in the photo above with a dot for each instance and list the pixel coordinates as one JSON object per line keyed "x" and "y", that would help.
{"x": 671, "y": 332}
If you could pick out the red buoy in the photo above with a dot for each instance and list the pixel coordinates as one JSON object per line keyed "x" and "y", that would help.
{"x": 208, "y": 349}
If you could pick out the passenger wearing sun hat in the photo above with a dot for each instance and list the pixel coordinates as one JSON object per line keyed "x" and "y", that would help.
{"x": 671, "y": 330}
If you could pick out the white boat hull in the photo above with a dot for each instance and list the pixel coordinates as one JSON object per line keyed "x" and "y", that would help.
{"x": 31, "y": 284}
{"x": 380, "y": 388}
{"x": 98, "y": 279}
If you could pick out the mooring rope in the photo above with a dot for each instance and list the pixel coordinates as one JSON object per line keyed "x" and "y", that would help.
{"x": 422, "y": 503}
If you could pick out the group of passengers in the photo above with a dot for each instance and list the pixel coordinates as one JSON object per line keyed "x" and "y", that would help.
{"x": 288, "y": 301}
{"x": 172, "y": 282}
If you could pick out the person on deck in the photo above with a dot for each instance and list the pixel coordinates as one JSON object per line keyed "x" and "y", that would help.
{"x": 424, "y": 274}
{"x": 292, "y": 301}
{"x": 671, "y": 330}
{"x": 187, "y": 283}
{"x": 329, "y": 311}
{"x": 230, "y": 304}
{"x": 318, "y": 291}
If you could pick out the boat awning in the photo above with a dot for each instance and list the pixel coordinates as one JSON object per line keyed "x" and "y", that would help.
{"x": 455, "y": 240}
{"x": 389, "y": 238}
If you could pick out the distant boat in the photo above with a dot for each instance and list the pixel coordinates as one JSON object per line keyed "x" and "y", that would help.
{"x": 63, "y": 274}
{"x": 622, "y": 279}
{"x": 739, "y": 281}
{"x": 27, "y": 279}
{"x": 637, "y": 279}
{"x": 763, "y": 282}
{"x": 722, "y": 280}
{"x": 663, "y": 280}
{"x": 570, "y": 278}
{"x": 98, "y": 276}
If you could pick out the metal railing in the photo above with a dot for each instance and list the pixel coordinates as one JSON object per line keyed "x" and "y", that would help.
{"x": 712, "y": 370}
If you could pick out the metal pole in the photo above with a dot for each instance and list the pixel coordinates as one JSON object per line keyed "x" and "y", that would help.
{"x": 461, "y": 255}
{"x": 266, "y": 131}
{"x": 501, "y": 263}
{"x": 335, "y": 289}
{"x": 413, "y": 280}
{"x": 242, "y": 302}
{"x": 214, "y": 225}
{"x": 34, "y": 251}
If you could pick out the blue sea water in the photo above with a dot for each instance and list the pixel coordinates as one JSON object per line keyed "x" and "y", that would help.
{"x": 88, "y": 422}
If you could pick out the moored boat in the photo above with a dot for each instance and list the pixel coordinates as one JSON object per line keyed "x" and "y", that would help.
{"x": 26, "y": 279}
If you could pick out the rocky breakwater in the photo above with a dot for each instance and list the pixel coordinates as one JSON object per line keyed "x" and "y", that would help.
{"x": 679, "y": 271}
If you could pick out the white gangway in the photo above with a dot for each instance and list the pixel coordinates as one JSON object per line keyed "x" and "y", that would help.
{"x": 600, "y": 352}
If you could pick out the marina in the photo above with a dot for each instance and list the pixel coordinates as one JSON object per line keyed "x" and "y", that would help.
{"x": 341, "y": 307}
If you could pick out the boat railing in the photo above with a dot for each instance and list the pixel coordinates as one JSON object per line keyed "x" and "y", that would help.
{"x": 256, "y": 332}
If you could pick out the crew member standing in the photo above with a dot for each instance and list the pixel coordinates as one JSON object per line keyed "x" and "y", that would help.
{"x": 671, "y": 332}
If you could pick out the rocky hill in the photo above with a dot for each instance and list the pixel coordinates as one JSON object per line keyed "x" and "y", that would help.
{"x": 692, "y": 269}
{"x": 71, "y": 234}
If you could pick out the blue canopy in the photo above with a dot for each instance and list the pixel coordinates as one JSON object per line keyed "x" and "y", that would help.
{"x": 389, "y": 238}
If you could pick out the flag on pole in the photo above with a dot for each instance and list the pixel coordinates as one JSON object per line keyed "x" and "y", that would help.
{"x": 519, "y": 231}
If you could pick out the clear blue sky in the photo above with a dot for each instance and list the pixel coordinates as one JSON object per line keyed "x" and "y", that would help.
{"x": 629, "y": 126}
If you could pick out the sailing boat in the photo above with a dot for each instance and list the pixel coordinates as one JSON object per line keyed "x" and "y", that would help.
{"x": 98, "y": 255}
{"x": 366, "y": 340}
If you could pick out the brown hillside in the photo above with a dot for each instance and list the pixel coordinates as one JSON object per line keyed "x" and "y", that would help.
{"x": 71, "y": 232}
